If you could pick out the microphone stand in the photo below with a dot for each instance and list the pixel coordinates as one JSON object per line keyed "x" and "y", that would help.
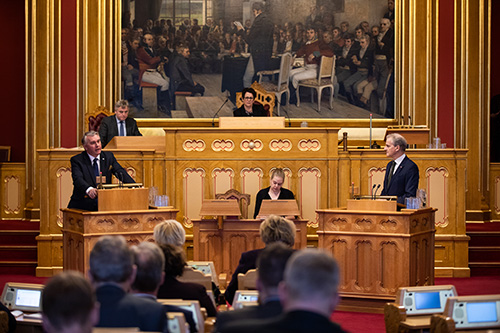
{"x": 376, "y": 190}
{"x": 374, "y": 185}
{"x": 215, "y": 115}
{"x": 288, "y": 116}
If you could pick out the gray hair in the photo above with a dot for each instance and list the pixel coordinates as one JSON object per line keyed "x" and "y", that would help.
{"x": 122, "y": 103}
{"x": 277, "y": 229}
{"x": 150, "y": 262}
{"x": 170, "y": 232}
{"x": 87, "y": 134}
{"x": 111, "y": 260}
{"x": 398, "y": 140}
{"x": 311, "y": 273}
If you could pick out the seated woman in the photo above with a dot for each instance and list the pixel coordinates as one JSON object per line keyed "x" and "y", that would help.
{"x": 169, "y": 232}
{"x": 273, "y": 229}
{"x": 249, "y": 109}
{"x": 174, "y": 289}
{"x": 273, "y": 192}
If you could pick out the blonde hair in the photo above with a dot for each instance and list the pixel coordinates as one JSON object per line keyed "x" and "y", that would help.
{"x": 278, "y": 172}
{"x": 277, "y": 229}
{"x": 169, "y": 232}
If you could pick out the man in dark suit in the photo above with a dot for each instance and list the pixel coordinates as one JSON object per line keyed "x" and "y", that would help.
{"x": 401, "y": 176}
{"x": 180, "y": 75}
{"x": 118, "y": 125}
{"x": 112, "y": 272}
{"x": 308, "y": 294}
{"x": 271, "y": 266}
{"x": 87, "y": 166}
{"x": 150, "y": 262}
{"x": 260, "y": 40}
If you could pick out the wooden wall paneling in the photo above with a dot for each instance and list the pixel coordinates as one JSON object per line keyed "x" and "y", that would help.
{"x": 495, "y": 191}
{"x": 12, "y": 190}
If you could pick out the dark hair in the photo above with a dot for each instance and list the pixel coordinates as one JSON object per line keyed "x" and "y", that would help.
{"x": 271, "y": 263}
{"x": 248, "y": 90}
{"x": 68, "y": 298}
{"x": 174, "y": 260}
{"x": 258, "y": 6}
{"x": 150, "y": 262}
{"x": 111, "y": 260}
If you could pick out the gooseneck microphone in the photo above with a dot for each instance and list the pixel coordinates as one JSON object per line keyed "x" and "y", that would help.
{"x": 373, "y": 187}
{"x": 376, "y": 190}
{"x": 216, "y": 113}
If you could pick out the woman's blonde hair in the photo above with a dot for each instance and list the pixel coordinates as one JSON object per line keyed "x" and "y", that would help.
{"x": 277, "y": 229}
{"x": 169, "y": 232}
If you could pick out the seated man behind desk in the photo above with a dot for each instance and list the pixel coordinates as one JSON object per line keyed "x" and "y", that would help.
{"x": 112, "y": 272}
{"x": 86, "y": 167}
{"x": 270, "y": 267}
{"x": 69, "y": 304}
{"x": 180, "y": 75}
{"x": 249, "y": 108}
{"x": 308, "y": 294}
{"x": 401, "y": 176}
{"x": 119, "y": 124}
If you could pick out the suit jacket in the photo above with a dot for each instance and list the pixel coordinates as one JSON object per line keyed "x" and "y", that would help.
{"x": 147, "y": 59}
{"x": 267, "y": 310}
{"x": 248, "y": 261}
{"x": 179, "y": 72}
{"x": 264, "y": 194}
{"x": 109, "y": 129}
{"x": 175, "y": 289}
{"x": 257, "y": 109}
{"x": 298, "y": 321}
{"x": 84, "y": 177}
{"x": 119, "y": 309}
{"x": 404, "y": 181}
{"x": 260, "y": 40}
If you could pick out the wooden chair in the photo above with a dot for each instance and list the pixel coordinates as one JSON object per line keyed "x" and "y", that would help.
{"x": 177, "y": 322}
{"x": 242, "y": 198}
{"x": 442, "y": 324}
{"x": 195, "y": 276}
{"x": 281, "y": 86}
{"x": 193, "y": 306}
{"x": 248, "y": 281}
{"x": 93, "y": 120}
{"x": 208, "y": 268}
{"x": 4, "y": 322}
{"x": 325, "y": 79}
{"x": 263, "y": 97}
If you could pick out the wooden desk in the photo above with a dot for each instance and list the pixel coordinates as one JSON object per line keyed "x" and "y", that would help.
{"x": 25, "y": 325}
{"x": 413, "y": 136}
{"x": 378, "y": 252}
{"x": 224, "y": 246}
{"x": 82, "y": 229}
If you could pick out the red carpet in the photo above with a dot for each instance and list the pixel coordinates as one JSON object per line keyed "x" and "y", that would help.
{"x": 354, "y": 321}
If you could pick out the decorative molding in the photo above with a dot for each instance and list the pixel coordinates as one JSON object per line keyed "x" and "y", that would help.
{"x": 248, "y": 144}
{"x": 280, "y": 145}
{"x": 223, "y": 145}
{"x": 437, "y": 189}
{"x": 13, "y": 194}
{"x": 309, "y": 145}
{"x": 192, "y": 200}
{"x": 194, "y": 145}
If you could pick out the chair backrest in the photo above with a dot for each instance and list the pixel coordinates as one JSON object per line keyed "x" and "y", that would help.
{"x": 285, "y": 67}
{"x": 206, "y": 267}
{"x": 193, "y": 306}
{"x": 93, "y": 120}
{"x": 242, "y": 198}
{"x": 177, "y": 322}
{"x": 195, "y": 276}
{"x": 4, "y": 322}
{"x": 248, "y": 281}
{"x": 326, "y": 69}
{"x": 263, "y": 97}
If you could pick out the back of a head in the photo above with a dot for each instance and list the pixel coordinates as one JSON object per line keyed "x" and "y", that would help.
{"x": 311, "y": 274}
{"x": 170, "y": 232}
{"x": 68, "y": 300}
{"x": 276, "y": 228}
{"x": 150, "y": 262}
{"x": 271, "y": 264}
{"x": 174, "y": 260}
{"x": 111, "y": 260}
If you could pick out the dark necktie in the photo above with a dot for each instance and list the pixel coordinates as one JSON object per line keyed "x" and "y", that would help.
{"x": 391, "y": 171}
{"x": 122, "y": 128}
{"x": 96, "y": 167}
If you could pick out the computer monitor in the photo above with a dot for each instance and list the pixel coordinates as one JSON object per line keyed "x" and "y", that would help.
{"x": 23, "y": 296}
{"x": 425, "y": 300}
{"x": 481, "y": 311}
{"x": 245, "y": 296}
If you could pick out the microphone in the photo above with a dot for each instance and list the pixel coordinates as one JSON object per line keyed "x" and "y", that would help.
{"x": 120, "y": 179}
{"x": 375, "y": 196}
{"x": 288, "y": 116}
{"x": 216, "y": 113}
{"x": 374, "y": 185}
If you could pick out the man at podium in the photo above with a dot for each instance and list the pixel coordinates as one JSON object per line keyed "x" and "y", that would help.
{"x": 120, "y": 124}
{"x": 401, "y": 176}
{"x": 86, "y": 170}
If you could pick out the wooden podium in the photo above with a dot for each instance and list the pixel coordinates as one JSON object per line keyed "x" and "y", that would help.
{"x": 82, "y": 229}
{"x": 378, "y": 251}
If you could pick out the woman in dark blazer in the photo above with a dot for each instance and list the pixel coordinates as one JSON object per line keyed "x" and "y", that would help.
{"x": 249, "y": 108}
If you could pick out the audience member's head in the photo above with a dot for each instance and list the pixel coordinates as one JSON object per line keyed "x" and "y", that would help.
{"x": 150, "y": 262}
{"x": 69, "y": 304}
{"x": 311, "y": 282}
{"x": 277, "y": 229}
{"x": 175, "y": 260}
{"x": 271, "y": 267}
{"x": 169, "y": 232}
{"x": 111, "y": 261}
